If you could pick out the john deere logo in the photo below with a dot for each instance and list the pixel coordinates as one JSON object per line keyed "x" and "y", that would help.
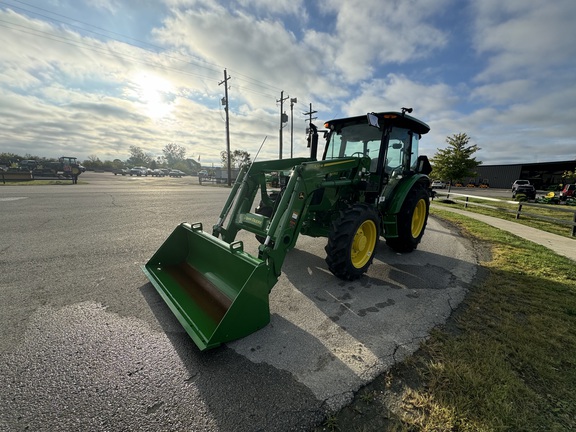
{"x": 301, "y": 195}
{"x": 253, "y": 220}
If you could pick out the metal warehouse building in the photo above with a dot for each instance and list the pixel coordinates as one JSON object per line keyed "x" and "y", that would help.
{"x": 542, "y": 174}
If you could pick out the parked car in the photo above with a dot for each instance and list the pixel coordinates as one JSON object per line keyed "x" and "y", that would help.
{"x": 123, "y": 171}
{"x": 176, "y": 173}
{"x": 203, "y": 173}
{"x": 569, "y": 191}
{"x": 525, "y": 189}
{"x": 438, "y": 184}
{"x": 139, "y": 171}
{"x": 518, "y": 183}
{"x": 158, "y": 173}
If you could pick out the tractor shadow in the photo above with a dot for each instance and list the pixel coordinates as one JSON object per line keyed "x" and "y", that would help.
{"x": 401, "y": 297}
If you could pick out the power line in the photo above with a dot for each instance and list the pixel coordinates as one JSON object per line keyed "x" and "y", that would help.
{"x": 111, "y": 38}
{"x": 246, "y": 78}
{"x": 107, "y": 52}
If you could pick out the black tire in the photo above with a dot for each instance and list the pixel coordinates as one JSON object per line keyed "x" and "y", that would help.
{"x": 352, "y": 242}
{"x": 412, "y": 220}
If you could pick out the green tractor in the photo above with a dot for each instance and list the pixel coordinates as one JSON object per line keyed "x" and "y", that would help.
{"x": 369, "y": 183}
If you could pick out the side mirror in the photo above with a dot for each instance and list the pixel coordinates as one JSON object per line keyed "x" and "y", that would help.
{"x": 423, "y": 165}
{"x": 373, "y": 120}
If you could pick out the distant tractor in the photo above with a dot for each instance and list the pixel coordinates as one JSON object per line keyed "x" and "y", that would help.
{"x": 66, "y": 167}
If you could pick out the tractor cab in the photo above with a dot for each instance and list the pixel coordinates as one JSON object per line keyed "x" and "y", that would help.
{"x": 389, "y": 139}
{"x": 67, "y": 160}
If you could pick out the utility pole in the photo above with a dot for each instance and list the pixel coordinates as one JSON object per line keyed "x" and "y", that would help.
{"x": 309, "y": 114}
{"x": 309, "y": 129}
{"x": 225, "y": 103}
{"x": 292, "y": 102}
{"x": 283, "y": 118}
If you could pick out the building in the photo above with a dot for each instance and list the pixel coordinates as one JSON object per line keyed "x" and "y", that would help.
{"x": 543, "y": 175}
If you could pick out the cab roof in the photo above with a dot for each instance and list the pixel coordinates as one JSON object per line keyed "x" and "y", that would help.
{"x": 394, "y": 117}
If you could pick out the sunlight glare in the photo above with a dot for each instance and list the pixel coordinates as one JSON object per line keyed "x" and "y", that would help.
{"x": 156, "y": 95}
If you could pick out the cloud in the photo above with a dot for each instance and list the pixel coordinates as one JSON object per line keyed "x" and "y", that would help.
{"x": 277, "y": 7}
{"x": 500, "y": 71}
{"x": 370, "y": 34}
{"x": 525, "y": 37}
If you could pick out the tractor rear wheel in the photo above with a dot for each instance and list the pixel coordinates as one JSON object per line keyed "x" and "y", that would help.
{"x": 352, "y": 242}
{"x": 412, "y": 220}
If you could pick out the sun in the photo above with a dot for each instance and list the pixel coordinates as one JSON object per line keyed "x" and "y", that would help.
{"x": 155, "y": 94}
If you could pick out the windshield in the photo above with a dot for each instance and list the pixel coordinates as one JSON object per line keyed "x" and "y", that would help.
{"x": 365, "y": 140}
{"x": 357, "y": 140}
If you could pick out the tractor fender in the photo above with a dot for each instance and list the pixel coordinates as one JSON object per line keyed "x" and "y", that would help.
{"x": 394, "y": 205}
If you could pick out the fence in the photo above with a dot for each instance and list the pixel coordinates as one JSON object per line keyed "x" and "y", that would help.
{"x": 519, "y": 208}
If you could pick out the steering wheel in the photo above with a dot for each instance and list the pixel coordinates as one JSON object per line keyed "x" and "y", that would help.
{"x": 361, "y": 154}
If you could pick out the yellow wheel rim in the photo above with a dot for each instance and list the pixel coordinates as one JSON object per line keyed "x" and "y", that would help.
{"x": 418, "y": 218}
{"x": 363, "y": 244}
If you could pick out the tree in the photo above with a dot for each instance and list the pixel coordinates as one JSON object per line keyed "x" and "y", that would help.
{"x": 117, "y": 164}
{"x": 455, "y": 162}
{"x": 161, "y": 161}
{"x": 194, "y": 165}
{"x": 138, "y": 157}
{"x": 238, "y": 158}
{"x": 569, "y": 176}
{"x": 93, "y": 162}
{"x": 174, "y": 153}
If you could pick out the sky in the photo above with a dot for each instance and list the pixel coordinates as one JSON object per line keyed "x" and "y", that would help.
{"x": 93, "y": 78}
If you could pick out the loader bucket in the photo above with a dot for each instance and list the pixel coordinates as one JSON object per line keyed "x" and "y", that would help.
{"x": 217, "y": 291}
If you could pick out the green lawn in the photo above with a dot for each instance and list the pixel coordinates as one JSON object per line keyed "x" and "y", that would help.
{"x": 537, "y": 217}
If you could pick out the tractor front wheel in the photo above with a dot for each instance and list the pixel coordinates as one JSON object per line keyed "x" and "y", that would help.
{"x": 412, "y": 220}
{"x": 352, "y": 242}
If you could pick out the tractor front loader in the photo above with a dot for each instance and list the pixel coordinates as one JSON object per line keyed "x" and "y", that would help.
{"x": 369, "y": 183}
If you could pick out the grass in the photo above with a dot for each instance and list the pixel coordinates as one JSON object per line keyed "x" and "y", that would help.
{"x": 505, "y": 361}
{"x": 551, "y": 212}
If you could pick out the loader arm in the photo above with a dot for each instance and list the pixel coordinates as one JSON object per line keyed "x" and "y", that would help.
{"x": 292, "y": 211}
{"x": 282, "y": 229}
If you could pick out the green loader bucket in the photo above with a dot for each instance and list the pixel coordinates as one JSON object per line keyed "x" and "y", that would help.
{"x": 217, "y": 291}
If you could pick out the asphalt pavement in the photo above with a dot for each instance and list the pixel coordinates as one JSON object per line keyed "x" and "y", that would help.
{"x": 86, "y": 343}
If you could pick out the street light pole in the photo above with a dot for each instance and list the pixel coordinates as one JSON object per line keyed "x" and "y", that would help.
{"x": 292, "y": 102}
{"x": 283, "y": 119}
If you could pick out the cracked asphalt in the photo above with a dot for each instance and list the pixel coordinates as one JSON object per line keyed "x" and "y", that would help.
{"x": 87, "y": 344}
